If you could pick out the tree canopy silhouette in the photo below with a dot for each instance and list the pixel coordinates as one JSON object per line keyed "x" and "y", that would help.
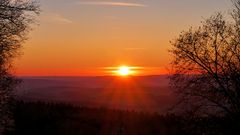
{"x": 206, "y": 66}
{"x": 16, "y": 16}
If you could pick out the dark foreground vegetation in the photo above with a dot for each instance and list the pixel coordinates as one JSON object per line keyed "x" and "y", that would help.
{"x": 38, "y": 118}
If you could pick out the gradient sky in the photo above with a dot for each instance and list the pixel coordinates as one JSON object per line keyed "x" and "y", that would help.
{"x": 82, "y": 37}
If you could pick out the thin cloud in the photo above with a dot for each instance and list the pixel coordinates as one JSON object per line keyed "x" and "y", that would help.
{"x": 117, "y": 4}
{"x": 135, "y": 48}
{"x": 56, "y": 18}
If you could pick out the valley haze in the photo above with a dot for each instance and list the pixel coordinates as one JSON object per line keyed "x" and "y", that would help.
{"x": 138, "y": 93}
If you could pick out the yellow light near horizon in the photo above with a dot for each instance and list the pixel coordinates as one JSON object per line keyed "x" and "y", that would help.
{"x": 124, "y": 71}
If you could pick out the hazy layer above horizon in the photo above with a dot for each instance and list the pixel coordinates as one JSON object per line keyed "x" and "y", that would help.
{"x": 137, "y": 93}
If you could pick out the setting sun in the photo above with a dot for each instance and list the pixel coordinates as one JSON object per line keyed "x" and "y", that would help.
{"x": 124, "y": 71}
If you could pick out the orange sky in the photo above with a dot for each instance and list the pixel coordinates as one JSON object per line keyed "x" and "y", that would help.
{"x": 80, "y": 38}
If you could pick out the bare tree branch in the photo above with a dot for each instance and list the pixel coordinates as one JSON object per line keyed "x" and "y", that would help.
{"x": 16, "y": 17}
{"x": 207, "y": 64}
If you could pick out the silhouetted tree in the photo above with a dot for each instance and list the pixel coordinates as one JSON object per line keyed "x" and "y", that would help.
{"x": 206, "y": 66}
{"x": 15, "y": 19}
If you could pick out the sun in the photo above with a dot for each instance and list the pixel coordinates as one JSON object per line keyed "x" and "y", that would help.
{"x": 124, "y": 71}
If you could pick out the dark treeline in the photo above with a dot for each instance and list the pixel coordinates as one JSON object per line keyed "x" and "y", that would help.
{"x": 39, "y": 118}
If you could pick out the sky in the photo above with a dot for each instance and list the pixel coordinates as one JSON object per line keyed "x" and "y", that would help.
{"x": 86, "y": 37}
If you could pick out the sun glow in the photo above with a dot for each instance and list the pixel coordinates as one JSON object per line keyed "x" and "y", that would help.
{"x": 124, "y": 71}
